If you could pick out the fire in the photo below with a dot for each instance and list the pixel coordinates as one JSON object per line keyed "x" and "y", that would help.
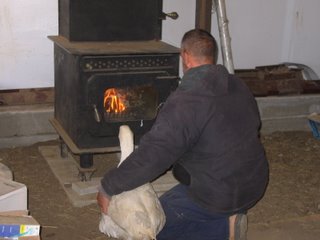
{"x": 113, "y": 102}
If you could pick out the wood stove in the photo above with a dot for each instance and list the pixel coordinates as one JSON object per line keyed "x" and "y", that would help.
{"x": 111, "y": 68}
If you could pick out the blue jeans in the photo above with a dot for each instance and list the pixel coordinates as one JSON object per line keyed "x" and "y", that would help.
{"x": 186, "y": 220}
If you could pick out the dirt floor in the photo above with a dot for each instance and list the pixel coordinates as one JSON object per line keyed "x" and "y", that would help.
{"x": 293, "y": 191}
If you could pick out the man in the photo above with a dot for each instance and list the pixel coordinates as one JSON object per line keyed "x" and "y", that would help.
{"x": 208, "y": 130}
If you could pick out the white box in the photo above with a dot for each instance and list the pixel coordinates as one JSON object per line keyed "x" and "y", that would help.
{"x": 13, "y": 196}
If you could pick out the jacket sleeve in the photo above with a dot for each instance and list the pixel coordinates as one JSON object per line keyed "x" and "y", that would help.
{"x": 171, "y": 135}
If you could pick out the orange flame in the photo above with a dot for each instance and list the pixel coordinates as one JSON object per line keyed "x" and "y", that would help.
{"x": 112, "y": 102}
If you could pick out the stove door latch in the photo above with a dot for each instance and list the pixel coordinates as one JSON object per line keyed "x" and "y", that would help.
{"x": 96, "y": 113}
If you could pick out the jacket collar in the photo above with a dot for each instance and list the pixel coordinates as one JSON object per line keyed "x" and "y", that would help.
{"x": 209, "y": 79}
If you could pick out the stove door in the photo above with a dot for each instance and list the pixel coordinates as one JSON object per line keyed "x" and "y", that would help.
{"x": 130, "y": 103}
{"x": 126, "y": 98}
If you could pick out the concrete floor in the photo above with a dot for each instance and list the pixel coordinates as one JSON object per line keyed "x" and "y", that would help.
{"x": 66, "y": 171}
{"x": 304, "y": 228}
{"x": 83, "y": 193}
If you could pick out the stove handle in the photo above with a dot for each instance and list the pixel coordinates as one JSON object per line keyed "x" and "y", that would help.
{"x": 172, "y": 15}
{"x": 96, "y": 113}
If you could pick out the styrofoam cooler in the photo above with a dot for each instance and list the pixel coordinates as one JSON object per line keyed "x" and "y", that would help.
{"x": 13, "y": 195}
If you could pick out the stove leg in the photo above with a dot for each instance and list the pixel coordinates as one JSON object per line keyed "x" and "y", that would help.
{"x": 63, "y": 149}
{"x": 86, "y": 160}
{"x": 86, "y": 169}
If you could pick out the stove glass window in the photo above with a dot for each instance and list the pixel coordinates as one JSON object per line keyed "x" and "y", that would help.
{"x": 130, "y": 103}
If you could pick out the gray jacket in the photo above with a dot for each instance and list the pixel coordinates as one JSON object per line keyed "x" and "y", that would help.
{"x": 208, "y": 129}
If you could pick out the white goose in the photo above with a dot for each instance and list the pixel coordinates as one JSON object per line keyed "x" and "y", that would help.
{"x": 135, "y": 214}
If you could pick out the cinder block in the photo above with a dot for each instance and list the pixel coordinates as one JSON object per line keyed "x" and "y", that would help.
{"x": 28, "y": 124}
{"x": 287, "y": 113}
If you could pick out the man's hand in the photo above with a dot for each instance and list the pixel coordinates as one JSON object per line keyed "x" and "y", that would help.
{"x": 103, "y": 202}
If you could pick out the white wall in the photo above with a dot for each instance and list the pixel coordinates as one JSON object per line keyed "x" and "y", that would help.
{"x": 263, "y": 32}
{"x": 173, "y": 30}
{"x": 302, "y": 35}
{"x": 256, "y": 30}
{"x": 273, "y": 31}
{"x": 26, "y": 55}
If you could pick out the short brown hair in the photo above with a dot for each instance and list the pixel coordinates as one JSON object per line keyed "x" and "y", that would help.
{"x": 200, "y": 43}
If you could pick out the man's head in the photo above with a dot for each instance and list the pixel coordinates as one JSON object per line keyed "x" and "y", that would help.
{"x": 198, "y": 47}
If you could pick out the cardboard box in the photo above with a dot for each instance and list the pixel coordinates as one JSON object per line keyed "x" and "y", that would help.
{"x": 18, "y": 214}
{"x": 13, "y": 196}
{"x": 18, "y": 227}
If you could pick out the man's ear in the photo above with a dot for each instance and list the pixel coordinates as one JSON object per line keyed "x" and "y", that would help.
{"x": 183, "y": 53}
{"x": 186, "y": 58}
